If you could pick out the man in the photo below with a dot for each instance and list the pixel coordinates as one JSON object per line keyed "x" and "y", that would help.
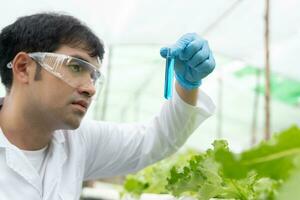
{"x": 49, "y": 65}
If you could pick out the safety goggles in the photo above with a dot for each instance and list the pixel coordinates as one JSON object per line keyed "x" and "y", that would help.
{"x": 73, "y": 71}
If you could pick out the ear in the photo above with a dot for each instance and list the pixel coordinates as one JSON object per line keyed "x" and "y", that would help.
{"x": 21, "y": 67}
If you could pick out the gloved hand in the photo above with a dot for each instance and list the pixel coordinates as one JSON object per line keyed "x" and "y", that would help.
{"x": 193, "y": 60}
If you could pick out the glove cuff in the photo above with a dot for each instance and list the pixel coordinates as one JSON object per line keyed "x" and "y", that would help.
{"x": 186, "y": 84}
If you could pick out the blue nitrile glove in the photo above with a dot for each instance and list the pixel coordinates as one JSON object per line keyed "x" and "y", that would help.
{"x": 193, "y": 60}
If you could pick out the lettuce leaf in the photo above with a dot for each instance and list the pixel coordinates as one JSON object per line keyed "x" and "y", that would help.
{"x": 218, "y": 173}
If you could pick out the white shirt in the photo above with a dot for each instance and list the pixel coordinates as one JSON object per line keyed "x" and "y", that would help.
{"x": 97, "y": 150}
{"x": 37, "y": 159}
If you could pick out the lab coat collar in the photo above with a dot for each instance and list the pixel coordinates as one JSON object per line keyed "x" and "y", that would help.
{"x": 18, "y": 162}
{"x": 58, "y": 136}
{"x": 56, "y": 159}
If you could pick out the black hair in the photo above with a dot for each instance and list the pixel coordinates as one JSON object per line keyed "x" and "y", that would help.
{"x": 44, "y": 32}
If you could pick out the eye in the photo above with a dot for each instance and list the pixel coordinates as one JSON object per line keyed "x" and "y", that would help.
{"x": 75, "y": 68}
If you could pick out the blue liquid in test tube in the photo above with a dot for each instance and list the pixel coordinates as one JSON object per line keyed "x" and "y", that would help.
{"x": 169, "y": 74}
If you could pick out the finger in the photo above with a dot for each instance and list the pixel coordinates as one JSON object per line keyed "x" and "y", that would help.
{"x": 207, "y": 66}
{"x": 195, "y": 53}
{"x": 182, "y": 43}
{"x": 164, "y": 52}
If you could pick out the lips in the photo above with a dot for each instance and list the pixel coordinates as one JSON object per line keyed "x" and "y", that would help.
{"x": 82, "y": 103}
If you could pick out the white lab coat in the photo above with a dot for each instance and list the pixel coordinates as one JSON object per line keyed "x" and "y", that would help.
{"x": 97, "y": 150}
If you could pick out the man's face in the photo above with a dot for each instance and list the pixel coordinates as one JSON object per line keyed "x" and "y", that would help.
{"x": 62, "y": 106}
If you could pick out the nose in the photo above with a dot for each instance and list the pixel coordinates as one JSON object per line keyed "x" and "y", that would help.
{"x": 86, "y": 85}
{"x": 87, "y": 89}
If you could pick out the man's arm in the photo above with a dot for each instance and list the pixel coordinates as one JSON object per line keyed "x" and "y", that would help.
{"x": 112, "y": 149}
{"x": 189, "y": 96}
{"x": 115, "y": 149}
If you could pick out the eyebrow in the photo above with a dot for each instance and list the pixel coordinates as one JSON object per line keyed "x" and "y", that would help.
{"x": 79, "y": 57}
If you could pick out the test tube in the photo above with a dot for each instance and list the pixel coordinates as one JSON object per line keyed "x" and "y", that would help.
{"x": 169, "y": 74}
